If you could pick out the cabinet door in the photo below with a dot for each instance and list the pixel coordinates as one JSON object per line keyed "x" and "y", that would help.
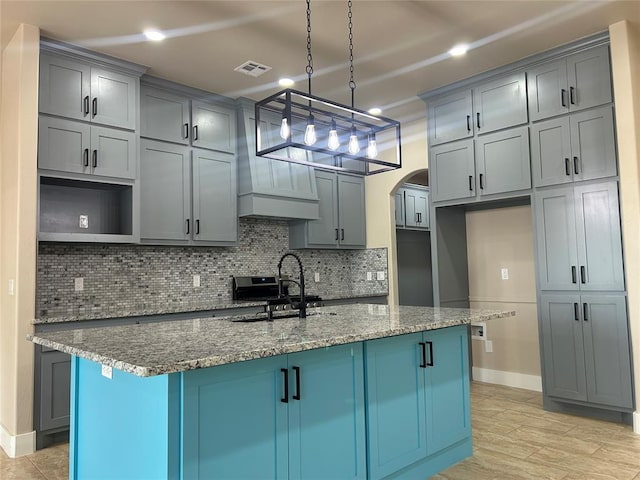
{"x": 351, "y": 211}
{"x": 55, "y": 385}
{"x": 326, "y": 414}
{"x": 214, "y": 127}
{"x": 599, "y": 239}
{"x": 500, "y": 103}
{"x": 447, "y": 387}
{"x": 63, "y": 145}
{"x": 165, "y": 193}
{"x": 606, "y": 348}
{"x": 547, "y": 90}
{"x": 234, "y": 423}
{"x": 589, "y": 78}
{"x": 214, "y": 197}
{"x": 164, "y": 116}
{"x": 400, "y": 208}
{"x": 551, "y": 161}
{"x": 65, "y": 87}
{"x": 114, "y": 98}
{"x": 417, "y": 210}
{"x": 556, "y": 239}
{"x": 453, "y": 171}
{"x": 593, "y": 144}
{"x": 113, "y": 153}
{"x": 325, "y": 231}
{"x": 502, "y": 161}
{"x": 563, "y": 347}
{"x": 449, "y": 117}
{"x": 396, "y": 422}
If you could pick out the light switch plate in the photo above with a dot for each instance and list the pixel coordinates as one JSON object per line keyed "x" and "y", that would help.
{"x": 316, "y": 277}
{"x": 78, "y": 284}
{"x": 488, "y": 346}
{"x": 505, "y": 273}
{"x": 107, "y": 371}
{"x": 84, "y": 221}
{"x": 380, "y": 275}
{"x": 369, "y": 276}
{"x": 196, "y": 280}
{"x": 12, "y": 286}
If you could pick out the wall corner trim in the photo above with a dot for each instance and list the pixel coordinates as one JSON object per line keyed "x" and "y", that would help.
{"x": 512, "y": 379}
{"x": 17, "y": 445}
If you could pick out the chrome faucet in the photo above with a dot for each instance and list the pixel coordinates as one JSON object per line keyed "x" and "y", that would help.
{"x": 303, "y": 303}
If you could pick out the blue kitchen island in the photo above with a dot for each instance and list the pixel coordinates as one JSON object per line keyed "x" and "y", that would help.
{"x": 350, "y": 392}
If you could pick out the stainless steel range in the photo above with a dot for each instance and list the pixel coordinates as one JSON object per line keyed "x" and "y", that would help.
{"x": 266, "y": 288}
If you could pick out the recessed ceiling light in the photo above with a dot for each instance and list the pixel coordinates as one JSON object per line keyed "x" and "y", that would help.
{"x": 459, "y": 50}
{"x": 154, "y": 35}
{"x": 375, "y": 111}
{"x": 286, "y": 82}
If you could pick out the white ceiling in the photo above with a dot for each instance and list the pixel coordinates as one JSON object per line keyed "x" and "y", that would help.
{"x": 400, "y": 46}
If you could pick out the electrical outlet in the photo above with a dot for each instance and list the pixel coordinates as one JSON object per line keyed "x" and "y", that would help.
{"x": 369, "y": 276}
{"x": 196, "y": 280}
{"x": 107, "y": 371}
{"x": 84, "y": 221}
{"x": 488, "y": 346}
{"x": 316, "y": 277}
{"x": 505, "y": 273}
{"x": 78, "y": 284}
{"x": 380, "y": 275}
{"x": 12, "y": 286}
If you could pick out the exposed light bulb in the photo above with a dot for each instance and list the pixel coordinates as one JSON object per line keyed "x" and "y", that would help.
{"x": 372, "y": 146}
{"x": 334, "y": 140}
{"x": 310, "y": 132}
{"x": 354, "y": 144}
{"x": 285, "y": 130}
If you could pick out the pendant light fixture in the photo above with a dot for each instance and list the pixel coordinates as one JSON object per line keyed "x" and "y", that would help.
{"x": 301, "y": 128}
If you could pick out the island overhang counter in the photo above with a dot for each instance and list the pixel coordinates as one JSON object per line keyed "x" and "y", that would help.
{"x": 352, "y": 391}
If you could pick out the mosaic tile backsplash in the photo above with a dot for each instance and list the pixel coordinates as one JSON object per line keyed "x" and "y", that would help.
{"x": 124, "y": 280}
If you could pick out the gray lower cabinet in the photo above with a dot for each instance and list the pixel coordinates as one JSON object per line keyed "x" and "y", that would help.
{"x": 582, "y": 80}
{"x": 500, "y": 103}
{"x": 500, "y": 165}
{"x": 450, "y": 117}
{"x": 342, "y": 215}
{"x": 81, "y": 91}
{"x": 76, "y": 147}
{"x": 54, "y": 389}
{"x": 586, "y": 352}
{"x": 416, "y": 201}
{"x": 580, "y": 146}
{"x": 171, "y": 183}
{"x": 578, "y": 238}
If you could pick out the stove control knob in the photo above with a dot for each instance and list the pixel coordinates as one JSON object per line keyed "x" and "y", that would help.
{"x": 285, "y": 307}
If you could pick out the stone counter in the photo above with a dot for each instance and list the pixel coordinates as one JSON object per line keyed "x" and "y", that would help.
{"x": 176, "y": 346}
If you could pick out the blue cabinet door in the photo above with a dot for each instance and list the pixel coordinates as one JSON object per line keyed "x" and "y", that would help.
{"x": 447, "y": 388}
{"x": 326, "y": 414}
{"x": 396, "y": 404}
{"x": 234, "y": 423}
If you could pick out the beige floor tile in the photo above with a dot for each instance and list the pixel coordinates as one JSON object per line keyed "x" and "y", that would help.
{"x": 543, "y": 422}
{"x": 508, "y": 467}
{"x": 53, "y": 462}
{"x": 544, "y": 438}
{"x": 489, "y": 425}
{"x": 585, "y": 464}
{"x": 19, "y": 468}
{"x": 504, "y": 444}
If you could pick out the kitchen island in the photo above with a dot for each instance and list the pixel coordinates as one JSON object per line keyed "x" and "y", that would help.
{"x": 353, "y": 391}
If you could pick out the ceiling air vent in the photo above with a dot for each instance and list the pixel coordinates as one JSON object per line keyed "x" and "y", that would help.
{"x": 252, "y": 68}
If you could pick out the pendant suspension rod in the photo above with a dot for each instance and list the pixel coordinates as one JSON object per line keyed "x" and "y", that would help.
{"x": 309, "y": 56}
{"x": 352, "y": 83}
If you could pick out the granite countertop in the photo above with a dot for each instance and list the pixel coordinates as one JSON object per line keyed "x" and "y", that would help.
{"x": 180, "y": 345}
{"x": 115, "y": 311}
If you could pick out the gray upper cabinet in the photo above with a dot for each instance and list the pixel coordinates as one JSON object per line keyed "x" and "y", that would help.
{"x": 214, "y": 197}
{"x": 585, "y": 348}
{"x": 416, "y": 201}
{"x": 214, "y": 127}
{"x": 502, "y": 160}
{"x": 76, "y": 147}
{"x": 342, "y": 215}
{"x": 399, "y": 207}
{"x": 580, "y": 81}
{"x": 172, "y": 182}
{"x": 580, "y": 146}
{"x": 500, "y": 103}
{"x": 78, "y": 90}
{"x": 164, "y": 115}
{"x": 452, "y": 171}
{"x": 578, "y": 238}
{"x": 165, "y": 192}
{"x": 450, "y": 117}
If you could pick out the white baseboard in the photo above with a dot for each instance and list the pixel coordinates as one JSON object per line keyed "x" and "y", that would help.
{"x": 17, "y": 445}
{"x": 636, "y": 422}
{"x": 510, "y": 379}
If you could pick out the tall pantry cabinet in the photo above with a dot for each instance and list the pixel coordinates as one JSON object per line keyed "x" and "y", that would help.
{"x": 542, "y": 131}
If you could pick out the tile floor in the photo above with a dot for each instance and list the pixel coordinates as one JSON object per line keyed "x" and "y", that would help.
{"x": 513, "y": 439}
